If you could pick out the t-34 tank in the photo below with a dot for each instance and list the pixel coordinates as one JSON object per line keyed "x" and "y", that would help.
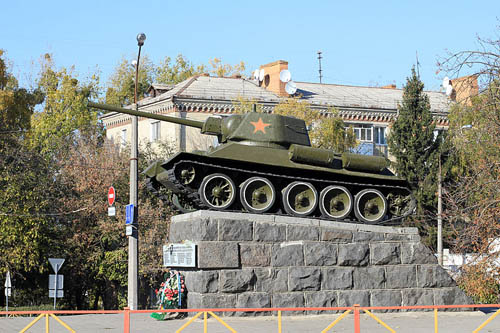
{"x": 265, "y": 164}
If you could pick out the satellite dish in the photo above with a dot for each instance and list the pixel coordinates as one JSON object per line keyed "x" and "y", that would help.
{"x": 285, "y": 76}
{"x": 446, "y": 82}
{"x": 290, "y": 88}
{"x": 449, "y": 90}
{"x": 256, "y": 74}
{"x": 261, "y": 74}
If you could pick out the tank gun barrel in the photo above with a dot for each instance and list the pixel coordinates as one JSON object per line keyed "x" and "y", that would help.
{"x": 170, "y": 119}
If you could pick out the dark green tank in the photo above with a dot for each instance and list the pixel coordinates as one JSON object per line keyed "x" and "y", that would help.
{"x": 265, "y": 164}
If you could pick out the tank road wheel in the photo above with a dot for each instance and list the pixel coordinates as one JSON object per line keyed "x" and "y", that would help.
{"x": 370, "y": 206}
{"x": 335, "y": 202}
{"x": 401, "y": 204}
{"x": 185, "y": 173}
{"x": 217, "y": 191}
{"x": 300, "y": 198}
{"x": 257, "y": 195}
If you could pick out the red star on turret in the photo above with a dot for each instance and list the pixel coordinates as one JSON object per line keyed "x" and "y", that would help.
{"x": 259, "y": 126}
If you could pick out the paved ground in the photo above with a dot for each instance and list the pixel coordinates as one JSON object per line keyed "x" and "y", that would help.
{"x": 401, "y": 322}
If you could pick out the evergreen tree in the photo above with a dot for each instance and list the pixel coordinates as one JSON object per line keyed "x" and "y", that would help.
{"x": 413, "y": 144}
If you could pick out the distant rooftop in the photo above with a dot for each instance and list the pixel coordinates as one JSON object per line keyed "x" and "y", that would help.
{"x": 203, "y": 93}
{"x": 219, "y": 88}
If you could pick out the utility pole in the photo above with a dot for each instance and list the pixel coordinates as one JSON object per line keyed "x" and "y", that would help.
{"x": 440, "y": 218}
{"x": 133, "y": 240}
{"x": 319, "y": 61}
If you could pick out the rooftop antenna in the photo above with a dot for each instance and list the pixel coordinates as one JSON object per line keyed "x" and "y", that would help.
{"x": 418, "y": 64}
{"x": 319, "y": 61}
{"x": 448, "y": 86}
{"x": 290, "y": 88}
{"x": 285, "y": 76}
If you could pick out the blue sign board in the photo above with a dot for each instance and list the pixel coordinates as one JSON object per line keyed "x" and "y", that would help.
{"x": 129, "y": 216}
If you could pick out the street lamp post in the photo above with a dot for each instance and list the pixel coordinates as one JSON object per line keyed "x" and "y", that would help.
{"x": 133, "y": 240}
{"x": 440, "y": 217}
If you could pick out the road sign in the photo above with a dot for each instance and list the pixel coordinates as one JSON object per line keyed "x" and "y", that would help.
{"x": 129, "y": 216}
{"x": 60, "y": 293}
{"x": 111, "y": 211}
{"x": 129, "y": 230}
{"x": 8, "y": 283}
{"x": 52, "y": 281}
{"x": 8, "y": 292}
{"x": 56, "y": 263}
{"x": 111, "y": 196}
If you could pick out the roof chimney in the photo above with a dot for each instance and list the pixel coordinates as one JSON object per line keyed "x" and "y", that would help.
{"x": 272, "y": 80}
{"x": 465, "y": 87}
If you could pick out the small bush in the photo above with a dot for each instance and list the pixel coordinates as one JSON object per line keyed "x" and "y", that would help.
{"x": 479, "y": 282}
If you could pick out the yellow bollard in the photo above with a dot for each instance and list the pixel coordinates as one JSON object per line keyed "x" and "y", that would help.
{"x": 205, "y": 322}
{"x": 435, "y": 320}
{"x": 46, "y": 323}
{"x": 279, "y": 321}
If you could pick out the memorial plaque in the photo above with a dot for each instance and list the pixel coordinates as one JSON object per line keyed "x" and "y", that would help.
{"x": 179, "y": 255}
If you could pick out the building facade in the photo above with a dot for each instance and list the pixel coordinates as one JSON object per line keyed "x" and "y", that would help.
{"x": 369, "y": 110}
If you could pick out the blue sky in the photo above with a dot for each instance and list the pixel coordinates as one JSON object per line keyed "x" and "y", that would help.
{"x": 363, "y": 42}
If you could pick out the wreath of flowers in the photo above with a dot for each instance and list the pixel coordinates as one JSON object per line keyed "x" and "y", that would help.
{"x": 171, "y": 294}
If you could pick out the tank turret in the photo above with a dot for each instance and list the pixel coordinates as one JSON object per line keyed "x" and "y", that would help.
{"x": 251, "y": 128}
{"x": 265, "y": 164}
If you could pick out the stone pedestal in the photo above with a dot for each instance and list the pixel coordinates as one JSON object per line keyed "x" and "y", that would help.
{"x": 247, "y": 260}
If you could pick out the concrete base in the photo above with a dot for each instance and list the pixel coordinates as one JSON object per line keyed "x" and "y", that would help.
{"x": 249, "y": 260}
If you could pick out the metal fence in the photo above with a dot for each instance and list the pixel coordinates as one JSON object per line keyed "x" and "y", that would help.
{"x": 356, "y": 310}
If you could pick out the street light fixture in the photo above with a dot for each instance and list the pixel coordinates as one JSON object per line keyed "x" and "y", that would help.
{"x": 133, "y": 240}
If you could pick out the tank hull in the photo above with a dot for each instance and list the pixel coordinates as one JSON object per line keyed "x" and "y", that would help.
{"x": 184, "y": 175}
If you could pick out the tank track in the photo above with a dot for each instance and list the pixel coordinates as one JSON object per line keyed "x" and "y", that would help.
{"x": 193, "y": 196}
{"x": 188, "y": 193}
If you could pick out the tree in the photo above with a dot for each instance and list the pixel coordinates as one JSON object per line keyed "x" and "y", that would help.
{"x": 332, "y": 133}
{"x": 172, "y": 73}
{"x": 16, "y": 104}
{"x": 65, "y": 115}
{"x": 121, "y": 87}
{"x": 413, "y": 144}
{"x": 28, "y": 201}
{"x": 219, "y": 69}
{"x": 96, "y": 247}
{"x": 474, "y": 198}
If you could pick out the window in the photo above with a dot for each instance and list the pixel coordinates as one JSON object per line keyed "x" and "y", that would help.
{"x": 155, "y": 131}
{"x": 363, "y": 132}
{"x": 124, "y": 137}
{"x": 380, "y": 135}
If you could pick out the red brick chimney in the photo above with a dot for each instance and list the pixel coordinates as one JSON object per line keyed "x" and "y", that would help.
{"x": 272, "y": 77}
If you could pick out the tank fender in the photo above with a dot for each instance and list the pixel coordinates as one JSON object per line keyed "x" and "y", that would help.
{"x": 154, "y": 169}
